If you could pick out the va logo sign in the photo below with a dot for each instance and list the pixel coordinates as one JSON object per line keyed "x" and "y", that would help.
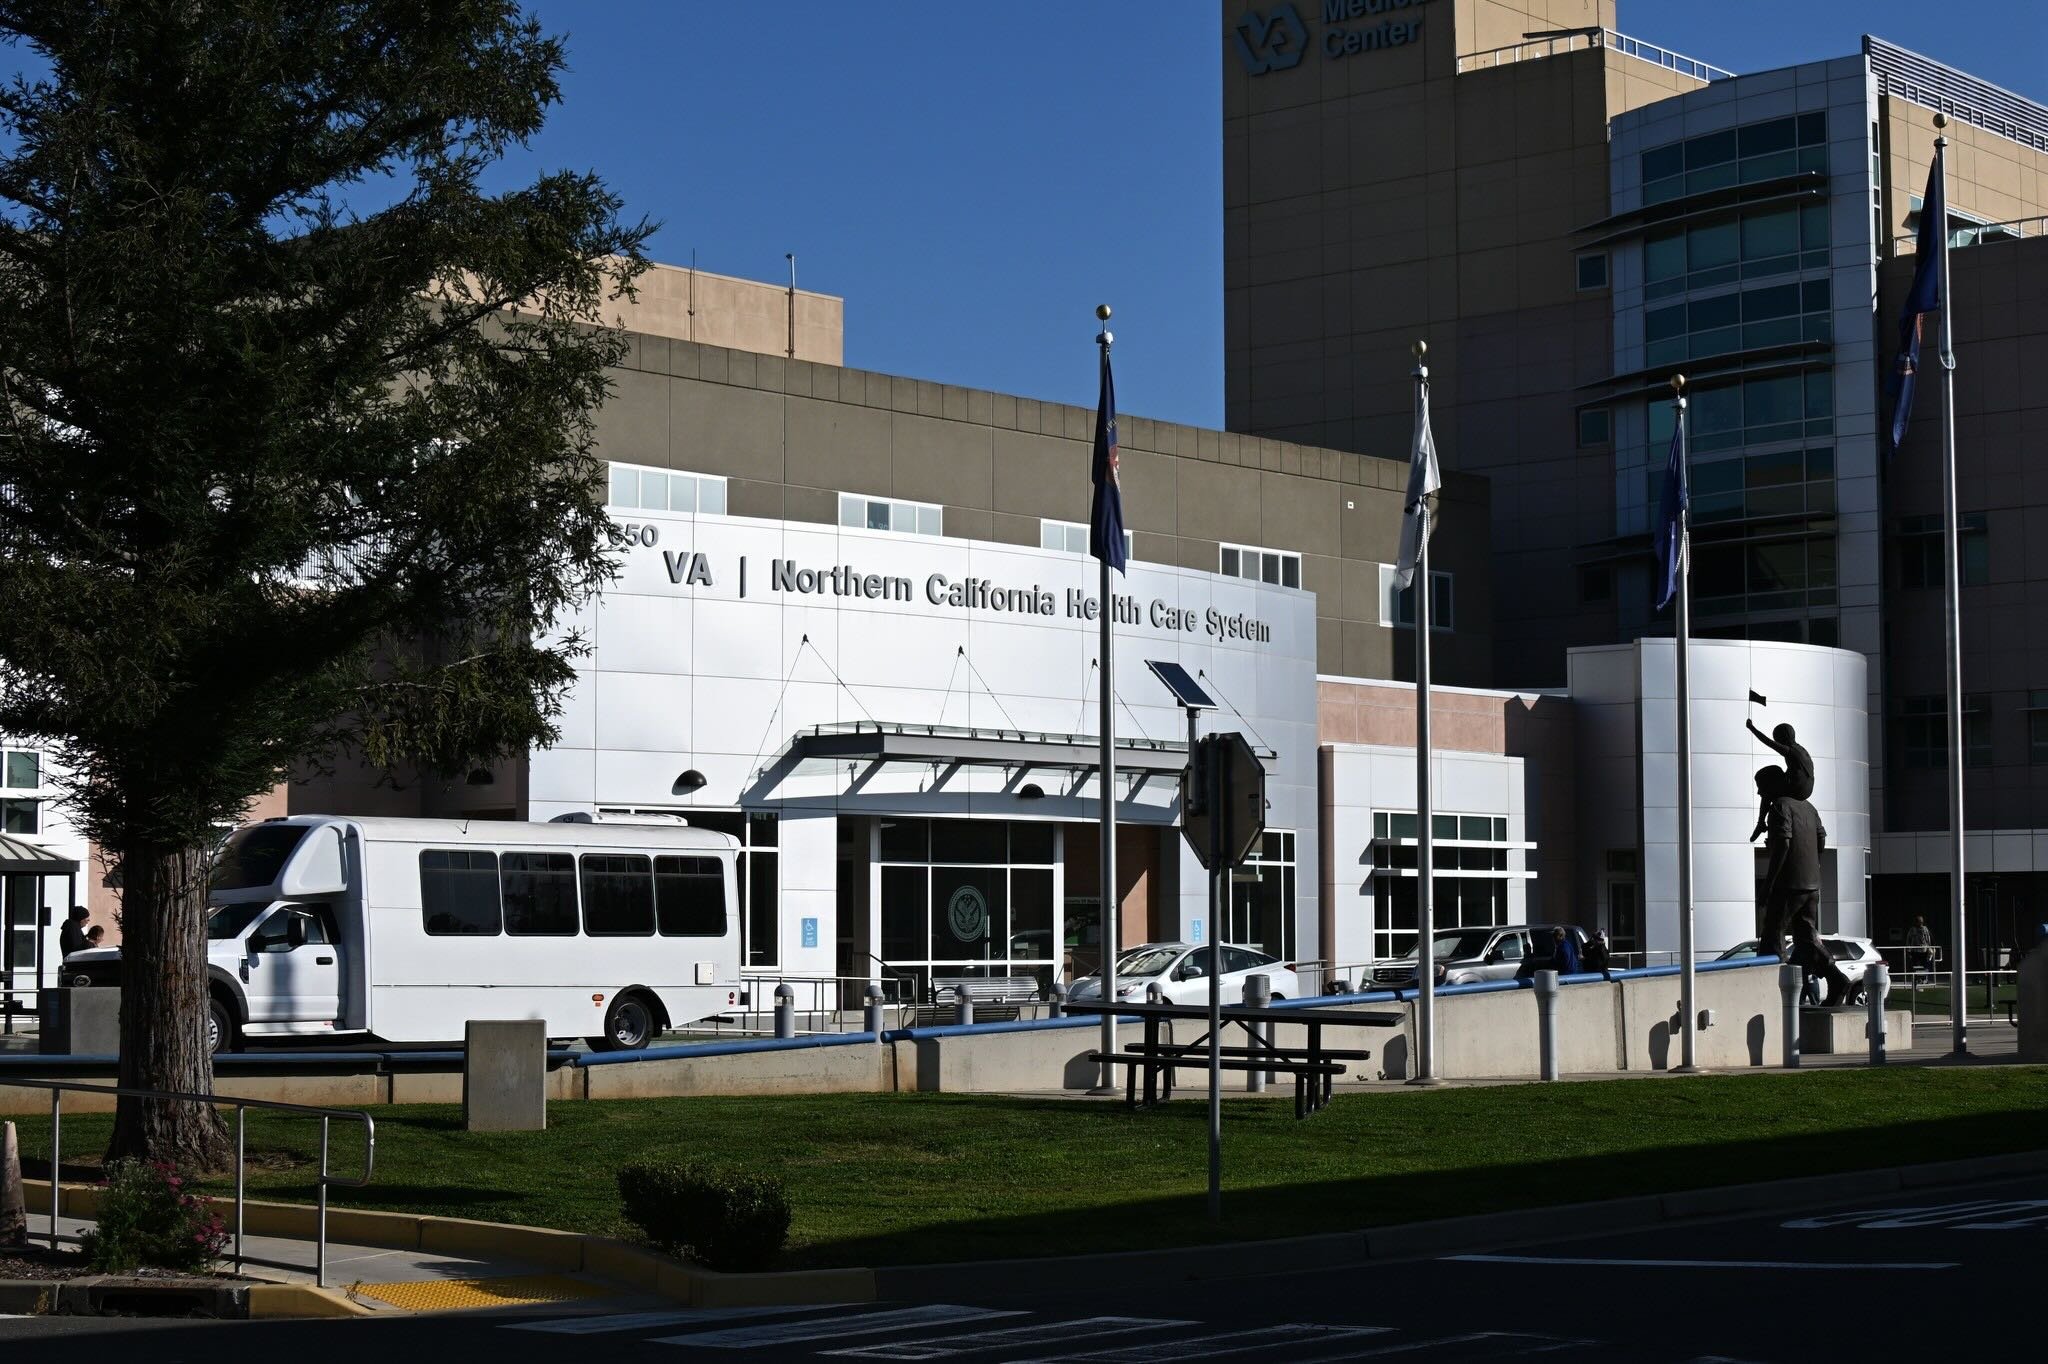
{"x": 1269, "y": 41}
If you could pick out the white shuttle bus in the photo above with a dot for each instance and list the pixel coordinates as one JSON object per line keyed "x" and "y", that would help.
{"x": 403, "y": 930}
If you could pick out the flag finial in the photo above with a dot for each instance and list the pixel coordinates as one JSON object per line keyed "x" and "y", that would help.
{"x": 1102, "y": 312}
{"x": 1941, "y": 120}
{"x": 1421, "y": 349}
{"x": 1678, "y": 384}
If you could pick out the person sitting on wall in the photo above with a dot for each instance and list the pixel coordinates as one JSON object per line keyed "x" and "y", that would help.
{"x": 1798, "y": 769}
{"x": 71, "y": 937}
{"x": 1564, "y": 953}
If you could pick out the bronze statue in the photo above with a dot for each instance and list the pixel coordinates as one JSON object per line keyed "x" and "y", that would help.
{"x": 1795, "y": 837}
{"x": 1784, "y": 741}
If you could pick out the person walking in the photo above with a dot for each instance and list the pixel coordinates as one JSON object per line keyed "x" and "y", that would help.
{"x": 71, "y": 937}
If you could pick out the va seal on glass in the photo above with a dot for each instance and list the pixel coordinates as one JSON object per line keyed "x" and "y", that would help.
{"x": 967, "y": 914}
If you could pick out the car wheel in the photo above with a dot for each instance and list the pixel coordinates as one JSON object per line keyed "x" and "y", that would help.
{"x": 628, "y": 1024}
{"x": 220, "y": 1027}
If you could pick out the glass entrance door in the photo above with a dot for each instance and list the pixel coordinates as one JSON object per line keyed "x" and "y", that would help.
{"x": 967, "y": 898}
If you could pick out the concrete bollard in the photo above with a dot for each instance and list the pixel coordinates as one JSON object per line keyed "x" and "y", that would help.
{"x": 1056, "y": 1001}
{"x": 1790, "y": 981}
{"x": 1876, "y": 982}
{"x": 785, "y": 1011}
{"x": 963, "y": 1008}
{"x": 505, "y": 1075}
{"x": 13, "y": 1202}
{"x": 1258, "y": 992}
{"x": 1546, "y": 1023}
{"x": 871, "y": 1011}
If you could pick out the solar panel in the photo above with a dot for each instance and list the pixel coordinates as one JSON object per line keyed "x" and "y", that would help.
{"x": 1185, "y": 689}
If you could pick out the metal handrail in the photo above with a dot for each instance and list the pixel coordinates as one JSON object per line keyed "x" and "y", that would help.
{"x": 59, "y": 1088}
{"x": 2013, "y": 229}
{"x": 1539, "y": 45}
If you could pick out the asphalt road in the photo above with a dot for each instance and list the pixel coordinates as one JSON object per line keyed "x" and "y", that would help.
{"x": 1897, "y": 1277}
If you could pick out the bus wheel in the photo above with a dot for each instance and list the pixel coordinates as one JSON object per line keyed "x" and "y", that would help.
{"x": 628, "y": 1024}
{"x": 220, "y": 1027}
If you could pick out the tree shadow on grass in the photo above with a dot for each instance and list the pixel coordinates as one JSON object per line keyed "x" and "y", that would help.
{"x": 1369, "y": 1200}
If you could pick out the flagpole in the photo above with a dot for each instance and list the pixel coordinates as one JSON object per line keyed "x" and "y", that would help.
{"x": 1425, "y": 899}
{"x": 1951, "y": 603}
{"x": 1106, "y": 760}
{"x": 1689, "y": 1023}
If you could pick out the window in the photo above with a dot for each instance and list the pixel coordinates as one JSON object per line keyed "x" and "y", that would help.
{"x": 689, "y": 897}
{"x": 254, "y": 856}
{"x": 1775, "y": 572}
{"x": 618, "y": 895}
{"x": 1398, "y": 608}
{"x": 1922, "y": 548}
{"x": 1731, "y": 416}
{"x": 20, "y": 816}
{"x": 459, "y": 893}
{"x": 759, "y": 880}
{"x": 967, "y": 897}
{"x": 1753, "y": 245}
{"x": 1071, "y": 536}
{"x": 1596, "y": 427}
{"x": 540, "y": 894}
{"x": 636, "y": 487}
{"x": 21, "y": 770}
{"x": 1278, "y": 566}
{"x": 1262, "y": 898}
{"x": 1470, "y": 875}
{"x": 1777, "y": 315}
{"x": 1923, "y": 732}
{"x": 1736, "y": 156}
{"x": 2037, "y": 726}
{"x": 1593, "y": 270}
{"x": 24, "y": 770}
{"x": 858, "y": 512}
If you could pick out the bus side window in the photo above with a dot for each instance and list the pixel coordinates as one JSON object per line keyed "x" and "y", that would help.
{"x": 459, "y": 893}
{"x": 540, "y": 894}
{"x": 618, "y": 894}
{"x": 689, "y": 896}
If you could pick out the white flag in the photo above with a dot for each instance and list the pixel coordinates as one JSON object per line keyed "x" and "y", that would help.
{"x": 1423, "y": 481}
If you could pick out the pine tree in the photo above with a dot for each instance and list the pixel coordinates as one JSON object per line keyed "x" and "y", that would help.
{"x": 284, "y": 480}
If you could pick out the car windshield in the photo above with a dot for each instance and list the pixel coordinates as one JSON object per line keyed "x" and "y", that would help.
{"x": 1146, "y": 961}
{"x": 1741, "y": 949}
{"x": 230, "y": 921}
{"x": 1458, "y": 945}
{"x": 254, "y": 856}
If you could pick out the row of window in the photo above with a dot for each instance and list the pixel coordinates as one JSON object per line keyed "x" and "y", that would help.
{"x": 1767, "y": 575}
{"x": 1277, "y": 566}
{"x": 1071, "y": 536}
{"x": 1923, "y": 730}
{"x": 1775, "y": 315}
{"x": 1465, "y": 828}
{"x": 465, "y": 893}
{"x": 1460, "y": 902}
{"x": 1921, "y": 550}
{"x": 1736, "y": 156}
{"x": 639, "y": 488}
{"x": 1753, "y": 245}
{"x": 1732, "y": 416}
{"x": 1774, "y": 483}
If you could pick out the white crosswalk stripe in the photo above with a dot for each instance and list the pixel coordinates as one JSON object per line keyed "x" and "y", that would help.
{"x": 834, "y": 1328}
{"x": 1293, "y": 1335}
{"x": 640, "y": 1321}
{"x": 1007, "y": 1337}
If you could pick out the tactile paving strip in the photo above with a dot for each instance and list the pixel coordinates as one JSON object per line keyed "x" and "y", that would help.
{"x": 445, "y": 1295}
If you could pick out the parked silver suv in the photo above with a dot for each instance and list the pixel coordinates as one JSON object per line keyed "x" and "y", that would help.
{"x": 1466, "y": 956}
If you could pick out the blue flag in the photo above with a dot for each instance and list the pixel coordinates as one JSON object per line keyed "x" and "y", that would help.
{"x": 1667, "y": 540}
{"x": 1106, "y": 511}
{"x": 1923, "y": 298}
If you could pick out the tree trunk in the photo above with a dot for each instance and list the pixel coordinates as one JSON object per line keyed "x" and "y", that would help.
{"x": 163, "y": 1011}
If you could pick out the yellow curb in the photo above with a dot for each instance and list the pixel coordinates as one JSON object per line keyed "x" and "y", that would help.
{"x": 496, "y": 1240}
{"x": 460, "y": 1295}
{"x": 274, "y": 1300}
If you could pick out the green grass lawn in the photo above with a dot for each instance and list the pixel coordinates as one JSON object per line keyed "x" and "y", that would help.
{"x": 905, "y": 1178}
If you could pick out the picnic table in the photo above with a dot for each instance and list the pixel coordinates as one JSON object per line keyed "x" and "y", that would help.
{"x": 1312, "y": 1065}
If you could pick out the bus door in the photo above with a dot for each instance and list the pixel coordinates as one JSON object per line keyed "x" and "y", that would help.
{"x": 294, "y": 968}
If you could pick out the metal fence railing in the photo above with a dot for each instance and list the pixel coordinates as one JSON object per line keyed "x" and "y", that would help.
{"x": 59, "y": 1088}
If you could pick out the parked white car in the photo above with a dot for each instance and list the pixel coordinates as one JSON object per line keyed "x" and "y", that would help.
{"x": 1854, "y": 955}
{"x": 1181, "y": 971}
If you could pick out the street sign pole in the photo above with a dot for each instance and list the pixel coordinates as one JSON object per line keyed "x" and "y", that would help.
{"x": 1220, "y": 795}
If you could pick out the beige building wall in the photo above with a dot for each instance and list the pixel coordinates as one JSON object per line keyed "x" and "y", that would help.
{"x": 1386, "y": 197}
{"x": 740, "y": 314}
{"x": 1990, "y": 178}
{"x": 790, "y": 438}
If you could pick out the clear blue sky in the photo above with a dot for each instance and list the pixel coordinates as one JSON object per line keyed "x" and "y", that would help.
{"x": 973, "y": 177}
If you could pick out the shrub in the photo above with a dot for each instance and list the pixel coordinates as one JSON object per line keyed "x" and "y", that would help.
{"x": 146, "y": 1217}
{"x": 729, "y": 1219}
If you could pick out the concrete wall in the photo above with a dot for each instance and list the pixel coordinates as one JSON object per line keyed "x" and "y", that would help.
{"x": 851, "y": 1069}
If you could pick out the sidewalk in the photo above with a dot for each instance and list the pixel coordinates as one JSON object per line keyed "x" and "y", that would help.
{"x": 379, "y": 1280}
